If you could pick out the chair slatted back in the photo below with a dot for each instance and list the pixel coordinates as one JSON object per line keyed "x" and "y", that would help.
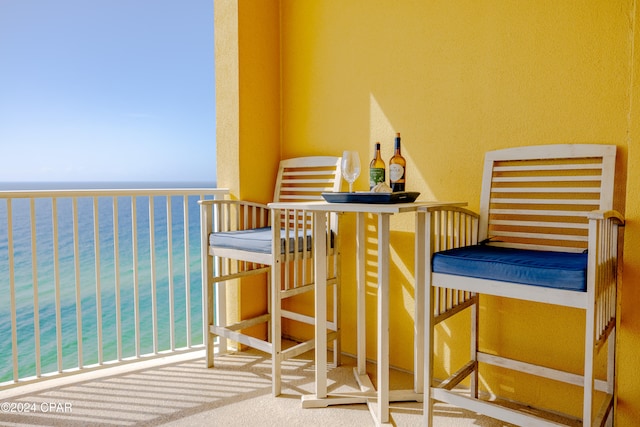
{"x": 304, "y": 179}
{"x": 538, "y": 197}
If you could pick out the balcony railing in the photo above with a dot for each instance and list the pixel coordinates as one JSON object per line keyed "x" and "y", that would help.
{"x": 90, "y": 278}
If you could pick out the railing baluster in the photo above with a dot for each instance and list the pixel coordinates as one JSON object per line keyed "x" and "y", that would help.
{"x": 152, "y": 268}
{"x": 56, "y": 278}
{"x": 136, "y": 282}
{"x": 34, "y": 273}
{"x": 116, "y": 272}
{"x": 187, "y": 278}
{"x": 96, "y": 251}
{"x": 76, "y": 260}
{"x": 172, "y": 338}
{"x": 12, "y": 292}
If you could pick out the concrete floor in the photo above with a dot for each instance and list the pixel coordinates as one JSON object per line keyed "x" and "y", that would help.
{"x": 180, "y": 391}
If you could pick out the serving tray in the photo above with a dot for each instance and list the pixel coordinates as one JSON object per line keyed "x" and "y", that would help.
{"x": 369, "y": 197}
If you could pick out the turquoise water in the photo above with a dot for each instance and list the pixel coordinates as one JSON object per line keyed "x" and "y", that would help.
{"x": 89, "y": 297}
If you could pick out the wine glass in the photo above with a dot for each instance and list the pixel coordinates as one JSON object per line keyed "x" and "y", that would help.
{"x": 350, "y": 167}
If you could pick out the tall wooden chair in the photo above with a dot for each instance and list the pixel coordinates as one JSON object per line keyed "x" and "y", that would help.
{"x": 546, "y": 233}
{"x": 239, "y": 240}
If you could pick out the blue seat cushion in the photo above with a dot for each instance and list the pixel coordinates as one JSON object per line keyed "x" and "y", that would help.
{"x": 256, "y": 240}
{"x": 560, "y": 270}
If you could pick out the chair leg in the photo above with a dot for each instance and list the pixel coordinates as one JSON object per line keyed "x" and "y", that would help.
{"x": 208, "y": 336}
{"x": 589, "y": 355}
{"x": 337, "y": 343}
{"x": 429, "y": 331}
{"x": 611, "y": 370}
{"x": 474, "y": 346}
{"x": 276, "y": 327}
{"x": 270, "y": 293}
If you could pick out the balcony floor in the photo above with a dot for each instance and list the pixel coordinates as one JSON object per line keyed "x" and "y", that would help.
{"x": 180, "y": 391}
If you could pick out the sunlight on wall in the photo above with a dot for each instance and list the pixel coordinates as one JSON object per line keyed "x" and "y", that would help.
{"x": 380, "y": 125}
{"x": 405, "y": 271}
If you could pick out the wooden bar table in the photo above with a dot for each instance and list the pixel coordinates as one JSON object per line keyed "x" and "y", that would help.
{"x": 377, "y": 398}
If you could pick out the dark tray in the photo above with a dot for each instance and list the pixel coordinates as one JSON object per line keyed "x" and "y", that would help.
{"x": 369, "y": 197}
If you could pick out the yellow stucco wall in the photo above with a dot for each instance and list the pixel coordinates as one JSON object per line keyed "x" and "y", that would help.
{"x": 247, "y": 43}
{"x": 456, "y": 79}
{"x": 628, "y": 376}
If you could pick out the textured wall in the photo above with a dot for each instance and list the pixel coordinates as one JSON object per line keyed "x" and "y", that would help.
{"x": 456, "y": 79}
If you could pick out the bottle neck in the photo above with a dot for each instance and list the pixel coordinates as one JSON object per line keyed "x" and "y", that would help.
{"x": 397, "y": 146}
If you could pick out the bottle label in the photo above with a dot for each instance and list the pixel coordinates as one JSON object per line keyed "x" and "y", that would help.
{"x": 396, "y": 172}
{"x": 376, "y": 176}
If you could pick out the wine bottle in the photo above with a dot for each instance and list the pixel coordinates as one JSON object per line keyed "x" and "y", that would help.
{"x": 397, "y": 168}
{"x": 376, "y": 169}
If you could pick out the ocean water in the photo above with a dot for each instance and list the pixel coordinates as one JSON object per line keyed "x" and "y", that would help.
{"x": 89, "y": 297}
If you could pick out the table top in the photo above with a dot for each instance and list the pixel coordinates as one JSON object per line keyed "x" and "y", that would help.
{"x": 391, "y": 208}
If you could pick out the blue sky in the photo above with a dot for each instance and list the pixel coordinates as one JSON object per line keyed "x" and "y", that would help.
{"x": 107, "y": 90}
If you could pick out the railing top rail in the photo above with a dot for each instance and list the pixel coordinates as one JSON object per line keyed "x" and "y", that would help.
{"x": 14, "y": 194}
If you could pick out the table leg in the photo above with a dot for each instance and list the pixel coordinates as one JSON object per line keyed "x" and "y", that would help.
{"x": 320, "y": 277}
{"x": 321, "y": 398}
{"x": 383, "y": 319}
{"x": 419, "y": 322}
{"x": 361, "y": 319}
{"x": 428, "y": 308}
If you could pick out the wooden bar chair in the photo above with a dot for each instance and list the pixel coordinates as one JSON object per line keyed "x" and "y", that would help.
{"x": 239, "y": 241}
{"x": 546, "y": 233}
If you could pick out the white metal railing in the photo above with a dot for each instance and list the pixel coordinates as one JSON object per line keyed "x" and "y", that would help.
{"x": 95, "y": 277}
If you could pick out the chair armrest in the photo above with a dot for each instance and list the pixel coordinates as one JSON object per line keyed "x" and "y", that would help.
{"x": 232, "y": 203}
{"x": 603, "y": 233}
{"x": 603, "y": 265}
{"x": 233, "y": 215}
{"x": 607, "y": 215}
{"x": 603, "y": 244}
{"x": 449, "y": 227}
{"x": 449, "y": 208}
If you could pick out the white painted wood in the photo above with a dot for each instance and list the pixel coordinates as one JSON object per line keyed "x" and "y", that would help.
{"x": 243, "y": 324}
{"x": 590, "y": 326}
{"x": 419, "y": 298}
{"x": 298, "y": 180}
{"x": 361, "y": 307}
{"x": 491, "y": 409}
{"x": 511, "y": 290}
{"x": 210, "y": 269}
{"x": 540, "y": 371}
{"x": 526, "y": 193}
{"x": 379, "y": 407}
{"x": 244, "y": 339}
{"x": 547, "y": 167}
{"x": 320, "y": 268}
{"x": 382, "y": 412}
{"x": 548, "y": 178}
{"x": 538, "y": 247}
{"x": 474, "y": 345}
